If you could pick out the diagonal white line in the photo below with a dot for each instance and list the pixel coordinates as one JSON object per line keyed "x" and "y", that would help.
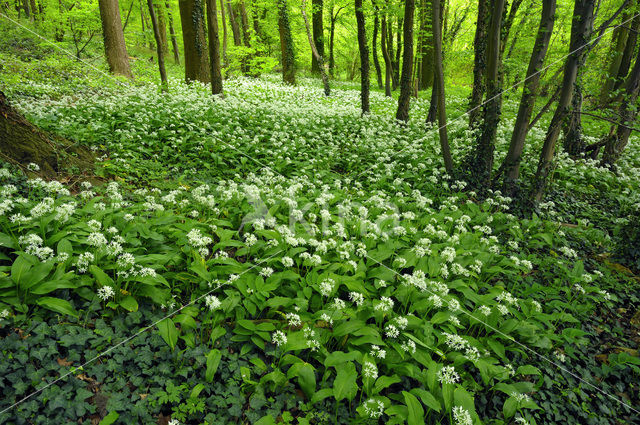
{"x": 107, "y": 351}
{"x": 524, "y": 346}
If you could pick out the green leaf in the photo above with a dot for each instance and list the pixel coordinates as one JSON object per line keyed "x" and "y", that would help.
{"x": 416, "y": 412}
{"x": 102, "y": 278}
{"x": 52, "y": 285}
{"x": 36, "y": 274}
{"x": 110, "y": 418}
{"x": 129, "y": 303}
{"x": 57, "y": 305}
{"x": 168, "y": 332}
{"x": 461, "y": 397}
{"x": 213, "y": 360}
{"x": 18, "y": 269}
{"x": 266, "y": 420}
{"x": 384, "y": 382}
{"x": 345, "y": 385}
{"x": 427, "y": 399}
{"x": 509, "y": 408}
{"x": 306, "y": 377}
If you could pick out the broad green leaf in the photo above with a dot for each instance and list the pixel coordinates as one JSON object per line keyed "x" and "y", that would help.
{"x": 57, "y": 305}
{"x": 110, "y": 418}
{"x": 18, "y": 269}
{"x": 52, "y": 285}
{"x": 427, "y": 398}
{"x": 213, "y": 360}
{"x": 416, "y": 412}
{"x": 168, "y": 332}
{"x": 306, "y": 377}
{"x": 102, "y": 278}
{"x": 345, "y": 385}
{"x": 129, "y": 303}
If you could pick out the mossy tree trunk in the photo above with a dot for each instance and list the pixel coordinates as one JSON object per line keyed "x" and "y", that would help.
{"x": 196, "y": 57}
{"x": 286, "y": 44}
{"x": 214, "y": 47}
{"x": 23, "y": 143}
{"x": 438, "y": 72}
{"x": 402, "y": 113}
{"x": 385, "y": 55}
{"x": 364, "y": 57}
{"x": 479, "y": 62}
{"x": 317, "y": 9}
{"x": 114, "y": 45}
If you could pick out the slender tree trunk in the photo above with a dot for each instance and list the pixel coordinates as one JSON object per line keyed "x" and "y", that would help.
{"x": 235, "y": 28}
{"x": 314, "y": 50}
{"x": 214, "y": 47}
{"x": 162, "y": 24}
{"x": 158, "y": 37}
{"x": 511, "y": 164}
{"x": 396, "y": 65}
{"x": 34, "y": 11}
{"x": 620, "y": 37}
{"x": 581, "y": 28}
{"x": 114, "y": 45}
{"x": 426, "y": 47}
{"x": 479, "y": 62}
{"x": 224, "y": 34}
{"x": 196, "y": 57}
{"x": 628, "y": 111}
{"x": 374, "y": 45}
{"x": 364, "y": 57}
{"x": 174, "y": 39}
{"x": 385, "y": 55}
{"x": 286, "y": 44}
{"x": 402, "y": 113}
{"x": 630, "y": 48}
{"x": 244, "y": 19}
{"x": 256, "y": 20}
{"x": 439, "y": 83}
{"x": 433, "y": 102}
{"x": 317, "y": 9}
{"x": 332, "y": 31}
{"x": 483, "y": 161}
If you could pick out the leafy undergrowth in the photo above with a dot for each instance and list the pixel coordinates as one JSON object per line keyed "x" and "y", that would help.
{"x": 317, "y": 267}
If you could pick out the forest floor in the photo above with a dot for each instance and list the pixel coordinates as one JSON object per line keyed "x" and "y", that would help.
{"x": 274, "y": 257}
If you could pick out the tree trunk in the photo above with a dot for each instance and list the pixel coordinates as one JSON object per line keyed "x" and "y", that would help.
{"x": 628, "y": 111}
{"x": 374, "y": 45}
{"x": 286, "y": 44}
{"x": 438, "y": 72}
{"x": 214, "y": 47}
{"x": 196, "y": 60}
{"x": 511, "y": 164}
{"x": 21, "y": 142}
{"x": 158, "y": 37}
{"x": 34, "y": 10}
{"x": 385, "y": 56}
{"x": 332, "y": 32}
{"x": 174, "y": 40}
{"x": 479, "y": 62}
{"x": 315, "y": 52}
{"x": 114, "y": 46}
{"x": 402, "y": 113}
{"x": 620, "y": 40}
{"x": 426, "y": 46}
{"x": 224, "y": 34}
{"x": 364, "y": 57}
{"x": 483, "y": 161}
{"x": 244, "y": 20}
{"x": 235, "y": 28}
{"x": 396, "y": 64}
{"x": 625, "y": 63}
{"x": 317, "y": 9}
{"x": 581, "y": 28}
{"x": 162, "y": 25}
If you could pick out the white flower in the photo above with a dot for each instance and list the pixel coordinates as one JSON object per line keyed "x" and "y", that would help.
{"x": 33, "y": 167}
{"x": 266, "y": 272}
{"x": 356, "y": 297}
{"x": 484, "y": 310}
{"x": 105, "y": 292}
{"x": 294, "y": 320}
{"x": 370, "y": 370}
{"x": 373, "y": 408}
{"x": 212, "y": 302}
{"x": 377, "y": 352}
{"x": 279, "y": 338}
{"x": 453, "y": 304}
{"x": 386, "y": 304}
{"x": 408, "y": 346}
{"x": 96, "y": 239}
{"x": 462, "y": 416}
{"x": 338, "y": 304}
{"x": 287, "y": 261}
{"x": 326, "y": 286}
{"x": 448, "y": 375}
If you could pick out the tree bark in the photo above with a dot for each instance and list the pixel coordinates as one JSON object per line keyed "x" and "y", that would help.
{"x": 286, "y": 44}
{"x": 214, "y": 47}
{"x": 22, "y": 143}
{"x": 315, "y": 52}
{"x": 426, "y": 45}
{"x": 374, "y": 45}
{"x": 364, "y": 57}
{"x": 224, "y": 34}
{"x": 581, "y": 28}
{"x": 398, "y": 54}
{"x": 317, "y": 9}
{"x": 114, "y": 46}
{"x": 479, "y": 63}
{"x": 402, "y": 113}
{"x": 158, "y": 37}
{"x": 439, "y": 83}
{"x": 162, "y": 24}
{"x": 235, "y": 28}
{"x": 628, "y": 111}
{"x": 174, "y": 40}
{"x": 511, "y": 164}
{"x": 196, "y": 58}
{"x": 483, "y": 160}
{"x": 625, "y": 63}
{"x": 385, "y": 56}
